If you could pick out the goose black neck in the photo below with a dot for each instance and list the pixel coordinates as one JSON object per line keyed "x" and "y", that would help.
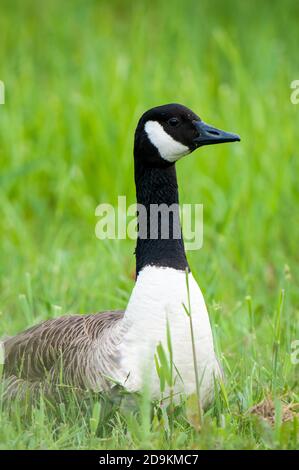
{"x": 160, "y": 241}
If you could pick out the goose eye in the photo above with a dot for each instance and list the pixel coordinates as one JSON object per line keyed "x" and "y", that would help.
{"x": 173, "y": 121}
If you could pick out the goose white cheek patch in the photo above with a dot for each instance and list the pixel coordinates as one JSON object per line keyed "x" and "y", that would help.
{"x": 169, "y": 148}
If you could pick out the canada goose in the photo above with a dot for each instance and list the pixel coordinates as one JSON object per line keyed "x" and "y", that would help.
{"x": 92, "y": 349}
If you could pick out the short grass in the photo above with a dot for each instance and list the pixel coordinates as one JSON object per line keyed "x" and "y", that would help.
{"x": 78, "y": 75}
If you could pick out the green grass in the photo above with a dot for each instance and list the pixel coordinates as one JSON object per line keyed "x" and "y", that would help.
{"x": 78, "y": 75}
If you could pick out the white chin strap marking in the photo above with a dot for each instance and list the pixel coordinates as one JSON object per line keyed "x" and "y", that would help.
{"x": 169, "y": 148}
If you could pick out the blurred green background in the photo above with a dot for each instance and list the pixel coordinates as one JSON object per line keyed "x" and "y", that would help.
{"x": 78, "y": 74}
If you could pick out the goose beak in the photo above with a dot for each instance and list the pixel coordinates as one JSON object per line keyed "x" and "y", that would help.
{"x": 208, "y": 135}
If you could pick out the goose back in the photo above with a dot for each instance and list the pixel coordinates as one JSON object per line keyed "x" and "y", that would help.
{"x": 76, "y": 350}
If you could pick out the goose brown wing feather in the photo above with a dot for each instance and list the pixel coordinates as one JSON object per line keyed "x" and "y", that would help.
{"x": 82, "y": 347}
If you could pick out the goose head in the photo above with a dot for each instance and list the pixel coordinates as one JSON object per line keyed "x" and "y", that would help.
{"x": 167, "y": 133}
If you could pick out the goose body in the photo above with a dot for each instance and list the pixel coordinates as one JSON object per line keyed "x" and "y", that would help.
{"x": 159, "y": 297}
{"x": 96, "y": 351}
{"x": 81, "y": 347}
